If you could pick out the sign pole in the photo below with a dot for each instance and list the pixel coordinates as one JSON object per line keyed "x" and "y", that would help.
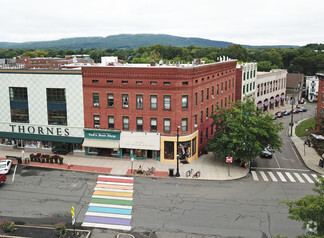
{"x": 229, "y": 174}
{"x": 229, "y": 160}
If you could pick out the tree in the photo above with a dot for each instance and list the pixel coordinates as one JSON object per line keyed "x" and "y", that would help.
{"x": 243, "y": 131}
{"x": 310, "y": 209}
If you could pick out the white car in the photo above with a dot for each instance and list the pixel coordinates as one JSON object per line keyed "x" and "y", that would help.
{"x": 5, "y": 166}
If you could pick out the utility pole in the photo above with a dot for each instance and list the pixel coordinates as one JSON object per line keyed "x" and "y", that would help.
{"x": 292, "y": 114}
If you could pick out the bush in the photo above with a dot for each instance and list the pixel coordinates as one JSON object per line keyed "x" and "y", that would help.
{"x": 60, "y": 229}
{"x": 7, "y": 226}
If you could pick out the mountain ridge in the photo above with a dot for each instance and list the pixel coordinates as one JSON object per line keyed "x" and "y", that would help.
{"x": 125, "y": 41}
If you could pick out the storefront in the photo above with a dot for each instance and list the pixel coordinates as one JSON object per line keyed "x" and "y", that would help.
{"x": 187, "y": 147}
{"x": 102, "y": 143}
{"x": 141, "y": 145}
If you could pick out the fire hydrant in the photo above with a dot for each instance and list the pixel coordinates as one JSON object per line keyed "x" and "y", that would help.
{"x": 69, "y": 166}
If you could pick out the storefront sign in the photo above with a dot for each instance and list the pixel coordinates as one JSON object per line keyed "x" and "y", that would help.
{"x": 40, "y": 130}
{"x": 108, "y": 135}
{"x": 140, "y": 140}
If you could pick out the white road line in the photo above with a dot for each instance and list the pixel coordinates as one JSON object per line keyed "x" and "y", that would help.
{"x": 274, "y": 179}
{"x": 264, "y": 176}
{"x": 112, "y": 215}
{"x": 315, "y": 177}
{"x": 109, "y": 205}
{"x": 106, "y": 226}
{"x": 114, "y": 190}
{"x": 115, "y": 183}
{"x": 115, "y": 177}
{"x": 13, "y": 177}
{"x": 308, "y": 178}
{"x": 288, "y": 169}
{"x": 276, "y": 160}
{"x": 291, "y": 178}
{"x": 255, "y": 176}
{"x": 299, "y": 178}
{"x": 282, "y": 178}
{"x": 112, "y": 197}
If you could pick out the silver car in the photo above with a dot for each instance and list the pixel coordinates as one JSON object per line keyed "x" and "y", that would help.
{"x": 5, "y": 166}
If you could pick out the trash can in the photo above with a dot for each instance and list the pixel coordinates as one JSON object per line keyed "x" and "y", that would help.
{"x": 321, "y": 163}
{"x": 171, "y": 172}
{"x": 19, "y": 160}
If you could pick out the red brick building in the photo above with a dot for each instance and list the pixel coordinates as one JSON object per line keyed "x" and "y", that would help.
{"x": 149, "y": 104}
{"x": 320, "y": 99}
{"x": 47, "y": 63}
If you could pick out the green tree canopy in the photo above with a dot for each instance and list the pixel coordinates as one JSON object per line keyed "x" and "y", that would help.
{"x": 243, "y": 131}
{"x": 310, "y": 209}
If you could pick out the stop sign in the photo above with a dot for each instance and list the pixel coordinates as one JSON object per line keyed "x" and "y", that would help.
{"x": 229, "y": 159}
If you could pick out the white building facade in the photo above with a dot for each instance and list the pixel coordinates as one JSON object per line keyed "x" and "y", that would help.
{"x": 312, "y": 83}
{"x": 41, "y": 109}
{"x": 271, "y": 89}
{"x": 249, "y": 76}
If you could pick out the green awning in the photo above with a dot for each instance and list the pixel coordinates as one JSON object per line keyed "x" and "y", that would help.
{"x": 22, "y": 136}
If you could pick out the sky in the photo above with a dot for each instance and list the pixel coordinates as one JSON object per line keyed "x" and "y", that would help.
{"x": 251, "y": 22}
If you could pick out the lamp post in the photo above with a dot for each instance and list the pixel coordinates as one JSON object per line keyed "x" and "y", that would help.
{"x": 177, "y": 174}
{"x": 292, "y": 117}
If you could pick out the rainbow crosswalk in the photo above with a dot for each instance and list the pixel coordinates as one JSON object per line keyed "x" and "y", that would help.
{"x": 111, "y": 203}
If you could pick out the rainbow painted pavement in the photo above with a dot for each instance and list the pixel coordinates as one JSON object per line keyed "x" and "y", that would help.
{"x": 111, "y": 203}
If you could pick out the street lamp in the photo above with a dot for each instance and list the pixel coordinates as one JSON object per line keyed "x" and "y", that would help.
{"x": 177, "y": 174}
{"x": 292, "y": 112}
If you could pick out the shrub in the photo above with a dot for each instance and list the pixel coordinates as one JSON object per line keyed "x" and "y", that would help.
{"x": 38, "y": 155}
{"x": 6, "y": 225}
{"x": 60, "y": 229}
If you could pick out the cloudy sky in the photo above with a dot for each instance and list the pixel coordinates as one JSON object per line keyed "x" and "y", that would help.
{"x": 253, "y": 22}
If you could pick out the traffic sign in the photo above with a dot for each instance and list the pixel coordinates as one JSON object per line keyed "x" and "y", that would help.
{"x": 72, "y": 211}
{"x": 229, "y": 159}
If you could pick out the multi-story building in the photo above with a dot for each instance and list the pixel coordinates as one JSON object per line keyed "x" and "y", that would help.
{"x": 142, "y": 111}
{"x": 41, "y": 109}
{"x": 312, "y": 88}
{"x": 271, "y": 89}
{"x": 246, "y": 76}
{"x": 294, "y": 85}
{"x": 320, "y": 101}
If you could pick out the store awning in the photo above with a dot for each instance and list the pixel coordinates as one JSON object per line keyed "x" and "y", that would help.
{"x": 98, "y": 143}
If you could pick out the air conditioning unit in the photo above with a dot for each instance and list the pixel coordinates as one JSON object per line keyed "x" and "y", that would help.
{"x": 213, "y": 97}
{"x": 97, "y": 126}
{"x": 96, "y": 104}
{"x": 196, "y": 125}
{"x": 206, "y": 118}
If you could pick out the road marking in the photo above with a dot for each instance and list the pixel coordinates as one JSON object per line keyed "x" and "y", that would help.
{"x": 92, "y": 204}
{"x": 255, "y": 176}
{"x": 291, "y": 178}
{"x": 114, "y": 190}
{"x": 107, "y": 226}
{"x": 13, "y": 177}
{"x": 282, "y": 178}
{"x": 112, "y": 183}
{"x": 100, "y": 214}
{"x": 308, "y": 178}
{"x": 299, "y": 178}
{"x": 276, "y": 160}
{"x": 274, "y": 179}
{"x": 112, "y": 197}
{"x": 118, "y": 194}
{"x": 315, "y": 177}
{"x": 115, "y": 177}
{"x": 264, "y": 176}
{"x": 289, "y": 169}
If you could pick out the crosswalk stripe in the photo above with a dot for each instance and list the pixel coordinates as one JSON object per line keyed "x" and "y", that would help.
{"x": 113, "y": 190}
{"x": 109, "y": 193}
{"x": 114, "y": 186}
{"x": 116, "y": 177}
{"x": 274, "y": 179}
{"x": 308, "y": 178}
{"x": 291, "y": 178}
{"x": 299, "y": 178}
{"x": 255, "y": 176}
{"x": 315, "y": 177}
{"x": 113, "y": 183}
{"x": 264, "y": 176}
{"x": 112, "y": 197}
{"x": 282, "y": 178}
{"x": 106, "y": 226}
{"x": 93, "y": 204}
{"x": 100, "y": 214}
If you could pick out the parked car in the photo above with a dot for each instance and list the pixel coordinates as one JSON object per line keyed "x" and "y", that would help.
{"x": 266, "y": 153}
{"x": 302, "y": 109}
{"x": 302, "y": 101}
{"x": 294, "y": 111}
{"x": 286, "y": 113}
{"x": 5, "y": 166}
{"x": 2, "y": 178}
{"x": 279, "y": 114}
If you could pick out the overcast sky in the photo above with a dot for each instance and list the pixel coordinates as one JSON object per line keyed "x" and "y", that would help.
{"x": 252, "y": 22}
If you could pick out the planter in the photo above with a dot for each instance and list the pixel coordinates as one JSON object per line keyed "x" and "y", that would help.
{"x": 32, "y": 159}
{"x": 47, "y": 160}
{"x": 61, "y": 161}
{"x": 51, "y": 160}
{"x": 55, "y": 161}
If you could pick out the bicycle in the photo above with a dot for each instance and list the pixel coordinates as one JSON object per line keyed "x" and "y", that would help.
{"x": 189, "y": 172}
{"x": 150, "y": 171}
{"x": 196, "y": 175}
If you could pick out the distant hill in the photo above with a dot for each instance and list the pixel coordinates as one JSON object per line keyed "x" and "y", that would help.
{"x": 123, "y": 41}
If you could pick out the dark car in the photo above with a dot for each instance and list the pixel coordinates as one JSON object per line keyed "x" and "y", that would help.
{"x": 266, "y": 153}
{"x": 60, "y": 151}
{"x": 286, "y": 113}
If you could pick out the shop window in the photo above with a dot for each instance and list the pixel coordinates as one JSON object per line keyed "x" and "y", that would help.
{"x": 111, "y": 122}
{"x": 96, "y": 121}
{"x": 153, "y": 124}
{"x": 153, "y": 102}
{"x": 95, "y": 99}
{"x": 167, "y": 102}
{"x": 139, "y": 123}
{"x": 125, "y": 100}
{"x": 110, "y": 97}
{"x": 185, "y": 148}
{"x": 125, "y": 123}
{"x": 196, "y": 96}
{"x": 168, "y": 150}
{"x": 167, "y": 125}
{"x": 184, "y": 125}
{"x": 184, "y": 101}
{"x": 139, "y": 101}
